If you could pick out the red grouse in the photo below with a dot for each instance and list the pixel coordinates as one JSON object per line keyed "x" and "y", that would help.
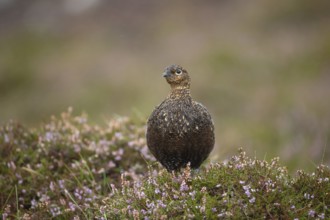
{"x": 180, "y": 130}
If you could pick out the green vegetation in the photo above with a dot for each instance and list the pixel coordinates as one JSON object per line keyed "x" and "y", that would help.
{"x": 262, "y": 69}
{"x": 70, "y": 169}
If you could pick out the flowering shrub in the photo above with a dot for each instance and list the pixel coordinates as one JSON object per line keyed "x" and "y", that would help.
{"x": 70, "y": 169}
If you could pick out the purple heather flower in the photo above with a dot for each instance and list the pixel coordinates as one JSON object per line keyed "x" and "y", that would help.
{"x": 252, "y": 200}
{"x": 192, "y": 194}
{"x": 239, "y": 166}
{"x": 141, "y": 194}
{"x": 87, "y": 190}
{"x": 202, "y": 208}
{"x": 151, "y": 205}
{"x": 161, "y": 204}
{"x": 76, "y": 148}
{"x": 184, "y": 186}
{"x": 72, "y": 206}
{"x": 52, "y": 186}
{"x": 34, "y": 204}
{"x": 246, "y": 187}
{"x": 61, "y": 184}
{"x": 111, "y": 164}
{"x": 55, "y": 211}
{"x": 131, "y": 143}
{"x": 311, "y": 213}
{"x": 88, "y": 199}
{"x": 164, "y": 194}
{"x": 118, "y": 154}
{"x": 248, "y": 193}
{"x": 49, "y": 136}
{"x": 119, "y": 135}
{"x": 77, "y": 194}
{"x": 7, "y": 139}
{"x": 44, "y": 198}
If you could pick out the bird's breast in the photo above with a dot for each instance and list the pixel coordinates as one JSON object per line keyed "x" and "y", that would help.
{"x": 179, "y": 120}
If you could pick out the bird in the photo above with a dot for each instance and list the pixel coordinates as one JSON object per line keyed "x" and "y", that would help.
{"x": 180, "y": 131}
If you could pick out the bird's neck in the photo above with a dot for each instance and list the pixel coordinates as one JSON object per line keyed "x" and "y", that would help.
{"x": 180, "y": 92}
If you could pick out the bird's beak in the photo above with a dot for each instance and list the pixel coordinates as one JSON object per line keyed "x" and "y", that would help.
{"x": 166, "y": 74}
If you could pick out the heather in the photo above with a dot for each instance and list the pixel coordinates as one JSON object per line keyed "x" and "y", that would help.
{"x": 70, "y": 168}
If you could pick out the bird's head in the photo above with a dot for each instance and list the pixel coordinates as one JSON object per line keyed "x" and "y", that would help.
{"x": 177, "y": 77}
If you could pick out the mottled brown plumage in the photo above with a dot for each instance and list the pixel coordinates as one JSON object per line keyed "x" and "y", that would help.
{"x": 180, "y": 130}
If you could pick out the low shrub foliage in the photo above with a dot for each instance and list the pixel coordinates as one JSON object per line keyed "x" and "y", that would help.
{"x": 70, "y": 169}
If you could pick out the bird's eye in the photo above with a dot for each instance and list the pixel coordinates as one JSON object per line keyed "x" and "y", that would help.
{"x": 178, "y": 72}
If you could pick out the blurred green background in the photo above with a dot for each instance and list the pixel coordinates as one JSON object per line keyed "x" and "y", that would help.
{"x": 261, "y": 67}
